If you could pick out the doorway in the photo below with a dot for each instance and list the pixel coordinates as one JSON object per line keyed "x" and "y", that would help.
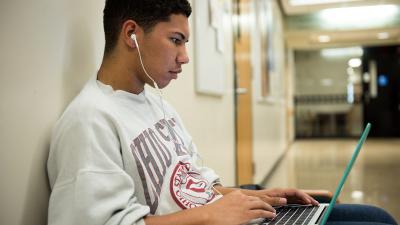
{"x": 243, "y": 97}
{"x": 328, "y": 91}
{"x": 381, "y": 88}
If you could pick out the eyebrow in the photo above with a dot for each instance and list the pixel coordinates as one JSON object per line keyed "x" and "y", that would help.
{"x": 182, "y": 36}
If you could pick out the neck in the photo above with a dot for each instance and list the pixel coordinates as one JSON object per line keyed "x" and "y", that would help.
{"x": 117, "y": 71}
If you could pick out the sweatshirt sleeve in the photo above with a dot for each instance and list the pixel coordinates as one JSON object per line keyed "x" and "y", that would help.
{"x": 89, "y": 185}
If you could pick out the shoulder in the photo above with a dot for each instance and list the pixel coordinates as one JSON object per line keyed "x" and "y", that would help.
{"x": 86, "y": 128}
{"x": 90, "y": 106}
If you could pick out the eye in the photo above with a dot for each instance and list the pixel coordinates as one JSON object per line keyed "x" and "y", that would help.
{"x": 176, "y": 41}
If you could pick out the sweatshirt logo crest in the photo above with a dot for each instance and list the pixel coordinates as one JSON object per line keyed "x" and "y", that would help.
{"x": 188, "y": 188}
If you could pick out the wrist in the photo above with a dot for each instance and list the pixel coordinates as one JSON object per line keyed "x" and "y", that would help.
{"x": 205, "y": 215}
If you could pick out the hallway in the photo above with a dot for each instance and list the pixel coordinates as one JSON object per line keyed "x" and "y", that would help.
{"x": 373, "y": 180}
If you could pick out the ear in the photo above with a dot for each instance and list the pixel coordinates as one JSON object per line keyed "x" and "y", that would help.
{"x": 129, "y": 27}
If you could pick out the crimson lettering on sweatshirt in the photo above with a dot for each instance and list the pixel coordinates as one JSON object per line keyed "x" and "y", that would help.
{"x": 146, "y": 167}
{"x": 153, "y": 158}
{"x": 168, "y": 133}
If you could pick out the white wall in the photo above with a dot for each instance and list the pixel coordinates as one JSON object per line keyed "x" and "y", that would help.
{"x": 312, "y": 70}
{"x": 269, "y": 116}
{"x": 48, "y": 50}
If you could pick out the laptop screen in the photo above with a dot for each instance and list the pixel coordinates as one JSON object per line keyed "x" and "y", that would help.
{"x": 346, "y": 173}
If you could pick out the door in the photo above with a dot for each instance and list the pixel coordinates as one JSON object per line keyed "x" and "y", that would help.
{"x": 243, "y": 98}
{"x": 381, "y": 92}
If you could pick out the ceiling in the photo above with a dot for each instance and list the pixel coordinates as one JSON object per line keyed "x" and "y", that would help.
{"x": 305, "y": 28}
{"x": 291, "y": 8}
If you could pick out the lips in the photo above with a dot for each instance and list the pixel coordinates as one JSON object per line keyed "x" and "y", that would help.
{"x": 175, "y": 73}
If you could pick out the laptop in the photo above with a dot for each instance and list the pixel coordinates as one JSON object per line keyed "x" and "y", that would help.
{"x": 313, "y": 215}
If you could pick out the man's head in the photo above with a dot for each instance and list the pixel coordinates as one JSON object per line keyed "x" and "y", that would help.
{"x": 146, "y": 13}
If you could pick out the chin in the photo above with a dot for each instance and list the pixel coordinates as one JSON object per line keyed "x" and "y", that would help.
{"x": 166, "y": 83}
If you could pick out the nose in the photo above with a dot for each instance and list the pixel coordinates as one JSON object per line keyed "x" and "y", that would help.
{"x": 183, "y": 57}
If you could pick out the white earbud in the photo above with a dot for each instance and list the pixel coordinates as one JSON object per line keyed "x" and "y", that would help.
{"x": 133, "y": 37}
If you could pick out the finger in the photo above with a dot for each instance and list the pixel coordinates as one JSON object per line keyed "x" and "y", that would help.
{"x": 275, "y": 201}
{"x": 310, "y": 199}
{"x": 258, "y": 213}
{"x": 259, "y": 204}
{"x": 313, "y": 201}
{"x": 303, "y": 197}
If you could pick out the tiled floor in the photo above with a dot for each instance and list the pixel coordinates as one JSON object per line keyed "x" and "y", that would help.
{"x": 319, "y": 164}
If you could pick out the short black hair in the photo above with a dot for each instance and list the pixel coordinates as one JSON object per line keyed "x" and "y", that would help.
{"x": 146, "y": 13}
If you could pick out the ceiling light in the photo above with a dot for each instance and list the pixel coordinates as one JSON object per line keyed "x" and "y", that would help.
{"x": 342, "y": 52}
{"x": 355, "y": 62}
{"x": 324, "y": 38}
{"x": 358, "y": 16}
{"x": 315, "y": 2}
{"x": 383, "y": 35}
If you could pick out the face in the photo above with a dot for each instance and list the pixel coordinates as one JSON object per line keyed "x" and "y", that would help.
{"x": 164, "y": 50}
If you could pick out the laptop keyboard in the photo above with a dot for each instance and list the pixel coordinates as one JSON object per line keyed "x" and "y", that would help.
{"x": 292, "y": 215}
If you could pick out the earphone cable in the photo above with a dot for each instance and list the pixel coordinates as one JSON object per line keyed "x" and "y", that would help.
{"x": 160, "y": 94}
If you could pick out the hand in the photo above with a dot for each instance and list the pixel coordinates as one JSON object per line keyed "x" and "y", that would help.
{"x": 238, "y": 208}
{"x": 283, "y": 196}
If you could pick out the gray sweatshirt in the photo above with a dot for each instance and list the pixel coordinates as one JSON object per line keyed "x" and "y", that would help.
{"x": 116, "y": 157}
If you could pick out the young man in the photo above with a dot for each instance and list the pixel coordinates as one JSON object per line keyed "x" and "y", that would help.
{"x": 121, "y": 155}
